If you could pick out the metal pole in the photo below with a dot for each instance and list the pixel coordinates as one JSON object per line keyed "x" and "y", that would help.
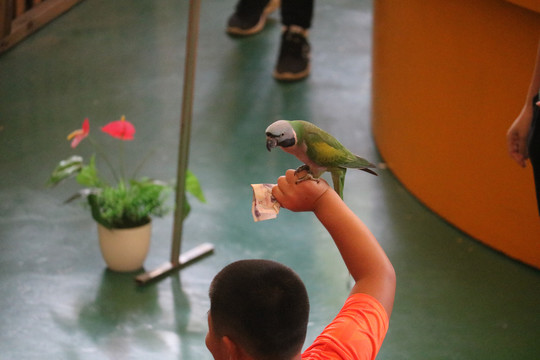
{"x": 185, "y": 126}
{"x": 176, "y": 261}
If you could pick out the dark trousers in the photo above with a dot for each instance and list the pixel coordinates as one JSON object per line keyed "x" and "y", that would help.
{"x": 297, "y": 12}
{"x": 293, "y": 12}
{"x": 534, "y": 148}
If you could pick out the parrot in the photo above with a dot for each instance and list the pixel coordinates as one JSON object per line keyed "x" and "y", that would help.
{"x": 317, "y": 149}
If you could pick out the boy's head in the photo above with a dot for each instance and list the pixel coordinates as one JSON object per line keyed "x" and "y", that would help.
{"x": 259, "y": 305}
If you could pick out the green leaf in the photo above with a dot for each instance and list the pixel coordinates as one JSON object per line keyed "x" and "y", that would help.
{"x": 66, "y": 169}
{"x": 187, "y": 209}
{"x": 129, "y": 205}
{"x": 96, "y": 213}
{"x": 88, "y": 175}
{"x": 194, "y": 187}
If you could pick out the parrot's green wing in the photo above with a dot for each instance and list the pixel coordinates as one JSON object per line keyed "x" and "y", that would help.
{"x": 327, "y": 151}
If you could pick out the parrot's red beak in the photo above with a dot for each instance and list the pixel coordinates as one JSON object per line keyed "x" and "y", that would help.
{"x": 271, "y": 143}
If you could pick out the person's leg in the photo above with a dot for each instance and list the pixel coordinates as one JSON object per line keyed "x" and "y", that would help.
{"x": 250, "y": 16}
{"x": 297, "y": 12}
{"x": 293, "y": 61}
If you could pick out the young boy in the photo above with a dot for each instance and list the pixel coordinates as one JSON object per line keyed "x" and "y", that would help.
{"x": 259, "y": 308}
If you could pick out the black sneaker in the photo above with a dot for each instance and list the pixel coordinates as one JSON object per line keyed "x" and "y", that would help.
{"x": 293, "y": 60}
{"x": 250, "y": 17}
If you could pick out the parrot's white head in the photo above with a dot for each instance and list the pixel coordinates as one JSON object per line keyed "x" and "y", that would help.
{"x": 280, "y": 133}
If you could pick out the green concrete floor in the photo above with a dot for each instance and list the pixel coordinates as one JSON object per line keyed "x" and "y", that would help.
{"x": 456, "y": 299}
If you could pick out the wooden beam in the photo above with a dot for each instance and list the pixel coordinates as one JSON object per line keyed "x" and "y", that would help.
{"x": 6, "y": 16}
{"x": 34, "y": 19}
{"x": 20, "y": 7}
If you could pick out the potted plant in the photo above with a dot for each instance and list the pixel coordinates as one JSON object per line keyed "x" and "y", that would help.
{"x": 122, "y": 206}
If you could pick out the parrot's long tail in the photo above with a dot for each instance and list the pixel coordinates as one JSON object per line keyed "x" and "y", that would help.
{"x": 361, "y": 164}
{"x": 369, "y": 171}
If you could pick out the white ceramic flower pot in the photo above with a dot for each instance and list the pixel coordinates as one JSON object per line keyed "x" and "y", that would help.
{"x": 124, "y": 249}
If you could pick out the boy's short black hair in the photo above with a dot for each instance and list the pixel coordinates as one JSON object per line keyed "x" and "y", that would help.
{"x": 261, "y": 305}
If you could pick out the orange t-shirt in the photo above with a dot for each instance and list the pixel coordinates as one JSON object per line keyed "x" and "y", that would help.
{"x": 357, "y": 332}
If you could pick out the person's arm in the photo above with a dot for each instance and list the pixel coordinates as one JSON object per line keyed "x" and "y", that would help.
{"x": 518, "y": 133}
{"x": 365, "y": 259}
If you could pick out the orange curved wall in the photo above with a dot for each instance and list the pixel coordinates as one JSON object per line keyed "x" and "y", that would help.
{"x": 449, "y": 77}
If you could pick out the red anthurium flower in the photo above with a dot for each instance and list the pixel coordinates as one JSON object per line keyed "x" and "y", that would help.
{"x": 79, "y": 134}
{"x": 120, "y": 129}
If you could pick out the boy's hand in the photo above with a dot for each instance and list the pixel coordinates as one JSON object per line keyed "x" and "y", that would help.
{"x": 301, "y": 196}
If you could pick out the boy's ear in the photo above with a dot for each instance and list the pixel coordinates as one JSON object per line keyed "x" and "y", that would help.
{"x": 233, "y": 349}
{"x": 230, "y": 347}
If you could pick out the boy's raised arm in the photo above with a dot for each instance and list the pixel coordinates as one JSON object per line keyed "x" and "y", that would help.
{"x": 365, "y": 259}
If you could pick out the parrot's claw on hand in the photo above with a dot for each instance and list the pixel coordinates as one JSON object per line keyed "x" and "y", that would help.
{"x": 308, "y": 175}
{"x": 302, "y": 168}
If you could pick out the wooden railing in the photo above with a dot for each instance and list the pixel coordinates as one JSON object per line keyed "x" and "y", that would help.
{"x": 20, "y": 18}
